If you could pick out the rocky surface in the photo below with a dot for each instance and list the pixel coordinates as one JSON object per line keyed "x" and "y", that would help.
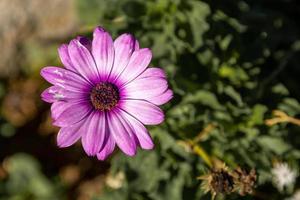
{"x": 21, "y": 20}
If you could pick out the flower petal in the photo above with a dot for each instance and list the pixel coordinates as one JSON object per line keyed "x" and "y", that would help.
{"x": 96, "y": 130}
{"x": 153, "y": 72}
{"x": 103, "y": 52}
{"x": 144, "y": 88}
{"x": 65, "y": 58}
{"x": 107, "y": 149}
{"x": 85, "y": 42}
{"x": 83, "y": 61}
{"x": 121, "y": 131}
{"x": 151, "y": 85}
{"x": 67, "y": 136}
{"x": 138, "y": 62}
{"x": 73, "y": 114}
{"x": 56, "y": 93}
{"x": 124, "y": 46}
{"x": 144, "y": 111}
{"x": 141, "y": 133}
{"x": 162, "y": 98}
{"x": 65, "y": 79}
{"x": 59, "y": 107}
{"x": 48, "y": 95}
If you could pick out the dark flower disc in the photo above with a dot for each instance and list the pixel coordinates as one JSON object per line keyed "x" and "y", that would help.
{"x": 104, "y": 96}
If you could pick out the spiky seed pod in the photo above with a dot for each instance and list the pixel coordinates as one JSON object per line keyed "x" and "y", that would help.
{"x": 244, "y": 180}
{"x": 222, "y": 182}
{"x": 218, "y": 181}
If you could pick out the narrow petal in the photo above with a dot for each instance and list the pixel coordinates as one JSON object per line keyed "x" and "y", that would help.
{"x": 138, "y": 62}
{"x": 59, "y": 107}
{"x": 103, "y": 52}
{"x": 67, "y": 136}
{"x": 48, "y": 94}
{"x": 124, "y": 46}
{"x": 143, "y": 137}
{"x": 64, "y": 52}
{"x": 96, "y": 130}
{"x": 65, "y": 79}
{"x": 144, "y": 88}
{"x": 85, "y": 42}
{"x": 144, "y": 111}
{"x": 162, "y": 98}
{"x": 73, "y": 114}
{"x": 83, "y": 61}
{"x": 65, "y": 58}
{"x": 151, "y": 85}
{"x": 56, "y": 93}
{"x": 153, "y": 72}
{"x": 121, "y": 133}
{"x": 107, "y": 149}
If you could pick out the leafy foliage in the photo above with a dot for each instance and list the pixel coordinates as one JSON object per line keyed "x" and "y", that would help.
{"x": 230, "y": 64}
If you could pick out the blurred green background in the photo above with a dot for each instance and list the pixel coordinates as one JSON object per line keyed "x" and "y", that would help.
{"x": 230, "y": 64}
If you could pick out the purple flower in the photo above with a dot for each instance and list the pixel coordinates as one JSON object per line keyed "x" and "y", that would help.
{"x": 105, "y": 94}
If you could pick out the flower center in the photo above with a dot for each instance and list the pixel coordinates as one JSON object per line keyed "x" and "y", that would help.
{"x": 104, "y": 96}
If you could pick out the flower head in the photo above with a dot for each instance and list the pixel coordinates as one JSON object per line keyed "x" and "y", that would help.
{"x": 221, "y": 180}
{"x": 283, "y": 175}
{"x": 218, "y": 181}
{"x": 245, "y": 180}
{"x": 105, "y": 94}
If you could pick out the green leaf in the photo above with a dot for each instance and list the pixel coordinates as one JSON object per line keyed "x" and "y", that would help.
{"x": 274, "y": 144}
{"x": 205, "y": 98}
{"x": 257, "y": 117}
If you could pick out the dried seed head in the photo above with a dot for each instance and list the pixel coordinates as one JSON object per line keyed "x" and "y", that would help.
{"x": 222, "y": 181}
{"x": 244, "y": 180}
{"x": 218, "y": 181}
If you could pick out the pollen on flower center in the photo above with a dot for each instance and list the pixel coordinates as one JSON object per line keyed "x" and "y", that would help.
{"x": 104, "y": 96}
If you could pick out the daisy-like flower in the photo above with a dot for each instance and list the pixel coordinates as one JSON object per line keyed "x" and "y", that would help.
{"x": 105, "y": 94}
{"x": 283, "y": 176}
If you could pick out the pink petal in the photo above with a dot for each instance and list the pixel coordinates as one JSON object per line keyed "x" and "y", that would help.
{"x": 143, "y": 137}
{"x": 56, "y": 93}
{"x": 144, "y": 88}
{"x": 65, "y": 79}
{"x": 138, "y": 62}
{"x": 124, "y": 46}
{"x": 73, "y": 114}
{"x": 96, "y": 130}
{"x": 121, "y": 133}
{"x": 59, "y": 107}
{"x": 85, "y": 42}
{"x": 67, "y": 136}
{"x": 48, "y": 94}
{"x": 153, "y": 72}
{"x": 83, "y": 61}
{"x": 107, "y": 149}
{"x": 65, "y": 58}
{"x": 162, "y": 98}
{"x": 103, "y": 52}
{"x": 151, "y": 85}
{"x": 144, "y": 111}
